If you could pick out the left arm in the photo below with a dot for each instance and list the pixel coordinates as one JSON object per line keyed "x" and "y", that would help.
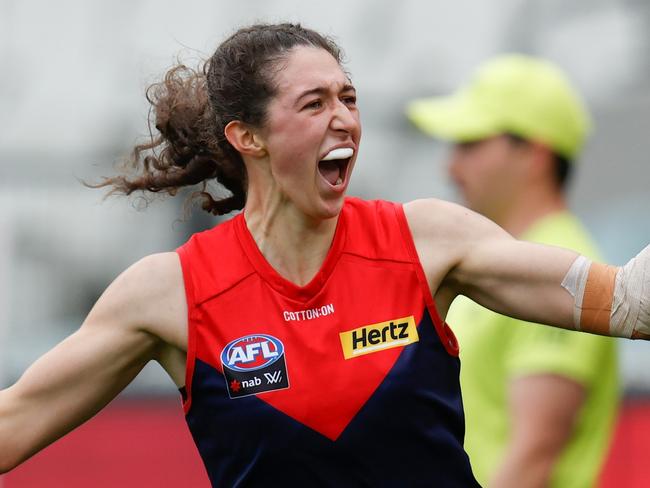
{"x": 516, "y": 278}
{"x": 463, "y": 253}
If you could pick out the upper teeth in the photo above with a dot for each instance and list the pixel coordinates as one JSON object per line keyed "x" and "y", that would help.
{"x": 340, "y": 153}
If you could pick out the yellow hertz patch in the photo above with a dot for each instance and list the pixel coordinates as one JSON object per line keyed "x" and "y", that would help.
{"x": 377, "y": 337}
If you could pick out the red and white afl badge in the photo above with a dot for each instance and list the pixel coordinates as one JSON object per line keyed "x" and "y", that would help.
{"x": 254, "y": 364}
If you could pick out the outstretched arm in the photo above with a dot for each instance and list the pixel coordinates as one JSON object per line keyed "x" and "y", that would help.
{"x": 465, "y": 253}
{"x": 136, "y": 319}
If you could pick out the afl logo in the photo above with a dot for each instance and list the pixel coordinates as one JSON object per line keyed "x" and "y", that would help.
{"x": 252, "y": 352}
{"x": 254, "y": 364}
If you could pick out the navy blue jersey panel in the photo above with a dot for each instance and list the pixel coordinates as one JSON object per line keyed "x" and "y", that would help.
{"x": 412, "y": 428}
{"x": 408, "y": 434}
{"x": 244, "y": 441}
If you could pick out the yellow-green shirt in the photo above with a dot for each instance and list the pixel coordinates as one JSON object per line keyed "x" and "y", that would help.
{"x": 494, "y": 349}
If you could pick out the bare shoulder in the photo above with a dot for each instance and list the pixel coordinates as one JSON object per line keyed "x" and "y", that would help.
{"x": 444, "y": 234}
{"x": 149, "y": 296}
{"x": 437, "y": 227}
{"x": 153, "y": 275}
{"x": 440, "y": 220}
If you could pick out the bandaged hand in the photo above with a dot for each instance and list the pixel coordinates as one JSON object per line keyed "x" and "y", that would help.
{"x": 631, "y": 305}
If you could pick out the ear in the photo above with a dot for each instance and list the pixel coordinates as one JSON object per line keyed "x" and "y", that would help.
{"x": 243, "y": 138}
{"x": 542, "y": 159}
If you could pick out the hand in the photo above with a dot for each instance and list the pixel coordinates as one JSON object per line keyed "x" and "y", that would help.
{"x": 631, "y": 304}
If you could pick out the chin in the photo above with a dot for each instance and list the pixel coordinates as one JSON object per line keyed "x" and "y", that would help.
{"x": 333, "y": 209}
{"x": 329, "y": 208}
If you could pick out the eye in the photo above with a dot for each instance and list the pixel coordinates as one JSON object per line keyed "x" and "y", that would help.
{"x": 350, "y": 100}
{"x": 468, "y": 145}
{"x": 314, "y": 104}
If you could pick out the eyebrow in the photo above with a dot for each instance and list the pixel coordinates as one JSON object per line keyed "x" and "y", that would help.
{"x": 321, "y": 90}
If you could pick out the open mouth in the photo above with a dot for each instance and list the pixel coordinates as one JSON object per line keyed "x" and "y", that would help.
{"x": 333, "y": 167}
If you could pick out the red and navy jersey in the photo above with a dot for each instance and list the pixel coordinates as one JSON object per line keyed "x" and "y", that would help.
{"x": 350, "y": 380}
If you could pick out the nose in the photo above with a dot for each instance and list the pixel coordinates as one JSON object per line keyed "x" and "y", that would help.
{"x": 343, "y": 119}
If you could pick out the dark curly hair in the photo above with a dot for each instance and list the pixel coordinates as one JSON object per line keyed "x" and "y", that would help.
{"x": 190, "y": 109}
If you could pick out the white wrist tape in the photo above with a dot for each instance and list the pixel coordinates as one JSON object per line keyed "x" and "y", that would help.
{"x": 574, "y": 282}
{"x": 631, "y": 304}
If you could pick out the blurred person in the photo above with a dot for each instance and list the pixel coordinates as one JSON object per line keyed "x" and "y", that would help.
{"x": 540, "y": 403}
{"x": 306, "y": 333}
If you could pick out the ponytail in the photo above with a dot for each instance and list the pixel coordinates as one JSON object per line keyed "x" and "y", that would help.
{"x": 187, "y": 150}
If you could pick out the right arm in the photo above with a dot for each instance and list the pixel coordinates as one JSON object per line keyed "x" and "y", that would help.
{"x": 543, "y": 409}
{"x": 141, "y": 316}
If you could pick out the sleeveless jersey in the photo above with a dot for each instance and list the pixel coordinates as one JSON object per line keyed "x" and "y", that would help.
{"x": 350, "y": 380}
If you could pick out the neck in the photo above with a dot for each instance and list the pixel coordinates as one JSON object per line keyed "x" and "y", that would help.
{"x": 530, "y": 206}
{"x": 294, "y": 244}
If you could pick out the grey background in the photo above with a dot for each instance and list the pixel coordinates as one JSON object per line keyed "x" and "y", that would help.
{"x": 73, "y": 75}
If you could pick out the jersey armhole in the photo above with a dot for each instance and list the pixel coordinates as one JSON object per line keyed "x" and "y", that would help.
{"x": 445, "y": 334}
{"x": 191, "y": 329}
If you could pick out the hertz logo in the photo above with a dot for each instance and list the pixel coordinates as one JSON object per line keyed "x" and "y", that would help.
{"x": 377, "y": 337}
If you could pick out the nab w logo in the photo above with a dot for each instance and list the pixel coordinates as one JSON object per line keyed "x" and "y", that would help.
{"x": 274, "y": 377}
{"x": 254, "y": 364}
